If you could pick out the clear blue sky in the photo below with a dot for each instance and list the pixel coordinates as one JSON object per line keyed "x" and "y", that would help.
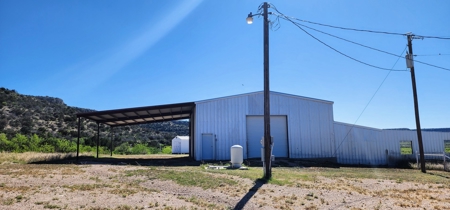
{"x": 107, "y": 54}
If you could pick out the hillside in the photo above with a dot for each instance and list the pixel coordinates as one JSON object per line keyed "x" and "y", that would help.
{"x": 49, "y": 116}
{"x": 422, "y": 129}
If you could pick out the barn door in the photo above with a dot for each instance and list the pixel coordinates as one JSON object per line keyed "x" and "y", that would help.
{"x": 255, "y": 132}
{"x": 207, "y": 146}
{"x": 179, "y": 146}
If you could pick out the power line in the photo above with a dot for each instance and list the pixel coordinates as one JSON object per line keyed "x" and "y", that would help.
{"x": 299, "y": 26}
{"x": 349, "y": 41}
{"x": 434, "y": 37}
{"x": 360, "y": 30}
{"x": 373, "y": 96}
{"x": 382, "y": 68}
{"x": 432, "y": 65}
{"x": 433, "y": 54}
{"x": 372, "y": 48}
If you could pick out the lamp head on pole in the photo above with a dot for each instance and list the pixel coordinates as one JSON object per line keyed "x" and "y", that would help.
{"x": 250, "y": 18}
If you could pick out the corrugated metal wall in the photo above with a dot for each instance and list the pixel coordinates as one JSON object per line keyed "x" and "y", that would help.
{"x": 225, "y": 118}
{"x": 433, "y": 142}
{"x": 310, "y": 123}
{"x": 359, "y": 145}
{"x": 370, "y": 146}
{"x": 312, "y": 132}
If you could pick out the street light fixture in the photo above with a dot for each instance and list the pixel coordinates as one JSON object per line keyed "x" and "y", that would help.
{"x": 267, "y": 137}
{"x": 250, "y": 18}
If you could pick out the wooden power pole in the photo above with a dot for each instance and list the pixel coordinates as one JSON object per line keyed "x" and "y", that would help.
{"x": 267, "y": 153}
{"x": 410, "y": 65}
{"x": 267, "y": 136}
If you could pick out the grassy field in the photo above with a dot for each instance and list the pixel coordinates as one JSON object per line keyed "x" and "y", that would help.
{"x": 102, "y": 185}
{"x": 33, "y": 157}
{"x": 30, "y": 157}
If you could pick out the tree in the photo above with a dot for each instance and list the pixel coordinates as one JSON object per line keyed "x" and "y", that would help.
{"x": 22, "y": 143}
{"x": 167, "y": 150}
{"x": 123, "y": 149}
{"x": 35, "y": 142}
{"x": 139, "y": 149}
{"x": 5, "y": 144}
{"x": 3, "y": 123}
{"x": 65, "y": 146}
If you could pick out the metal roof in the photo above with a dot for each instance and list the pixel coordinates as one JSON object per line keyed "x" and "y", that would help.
{"x": 271, "y": 93}
{"x": 160, "y": 113}
{"x": 141, "y": 115}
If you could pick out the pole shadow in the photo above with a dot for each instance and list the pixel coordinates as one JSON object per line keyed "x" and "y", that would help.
{"x": 439, "y": 175}
{"x": 258, "y": 184}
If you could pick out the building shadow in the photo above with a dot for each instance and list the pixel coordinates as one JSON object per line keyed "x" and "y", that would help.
{"x": 144, "y": 161}
{"x": 258, "y": 184}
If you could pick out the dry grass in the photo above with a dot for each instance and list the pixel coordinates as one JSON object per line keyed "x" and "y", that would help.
{"x": 152, "y": 156}
{"x": 32, "y": 157}
{"x": 307, "y": 177}
{"x": 185, "y": 177}
{"x": 201, "y": 202}
{"x": 432, "y": 166}
{"x": 104, "y": 186}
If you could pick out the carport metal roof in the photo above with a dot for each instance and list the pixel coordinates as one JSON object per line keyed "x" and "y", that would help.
{"x": 141, "y": 115}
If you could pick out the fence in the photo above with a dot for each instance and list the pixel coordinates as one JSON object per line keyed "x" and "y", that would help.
{"x": 443, "y": 155}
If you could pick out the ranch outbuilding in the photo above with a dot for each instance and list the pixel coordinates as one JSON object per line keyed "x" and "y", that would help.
{"x": 301, "y": 127}
{"x": 180, "y": 145}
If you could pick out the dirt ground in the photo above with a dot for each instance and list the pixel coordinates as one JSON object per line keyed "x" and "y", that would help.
{"x": 97, "y": 186}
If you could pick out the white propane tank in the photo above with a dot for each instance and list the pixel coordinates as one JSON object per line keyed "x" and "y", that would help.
{"x": 236, "y": 156}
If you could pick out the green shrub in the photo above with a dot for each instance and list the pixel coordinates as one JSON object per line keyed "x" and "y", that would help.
{"x": 104, "y": 150}
{"x": 86, "y": 148}
{"x": 46, "y": 148}
{"x": 50, "y": 141}
{"x": 21, "y": 142}
{"x": 7, "y": 145}
{"x": 167, "y": 150}
{"x": 66, "y": 146}
{"x": 35, "y": 142}
{"x": 139, "y": 149}
{"x": 123, "y": 149}
{"x": 101, "y": 150}
{"x": 153, "y": 150}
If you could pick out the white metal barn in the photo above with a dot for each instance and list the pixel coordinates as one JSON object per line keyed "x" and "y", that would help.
{"x": 180, "y": 145}
{"x": 301, "y": 127}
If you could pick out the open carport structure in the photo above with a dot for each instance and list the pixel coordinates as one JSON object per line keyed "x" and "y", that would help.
{"x": 139, "y": 115}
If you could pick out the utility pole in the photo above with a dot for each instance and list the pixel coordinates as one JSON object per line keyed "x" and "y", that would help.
{"x": 98, "y": 137}
{"x": 78, "y": 138}
{"x": 267, "y": 136}
{"x": 112, "y": 139}
{"x": 410, "y": 64}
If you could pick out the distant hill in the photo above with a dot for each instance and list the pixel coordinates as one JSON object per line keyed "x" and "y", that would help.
{"x": 423, "y": 129}
{"x": 49, "y": 116}
{"x": 437, "y": 129}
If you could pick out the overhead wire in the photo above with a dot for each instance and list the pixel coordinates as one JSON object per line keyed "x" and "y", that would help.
{"x": 372, "y": 48}
{"x": 281, "y": 15}
{"x": 354, "y": 59}
{"x": 365, "y": 107}
{"x": 433, "y": 54}
{"x": 360, "y": 30}
{"x": 434, "y": 37}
